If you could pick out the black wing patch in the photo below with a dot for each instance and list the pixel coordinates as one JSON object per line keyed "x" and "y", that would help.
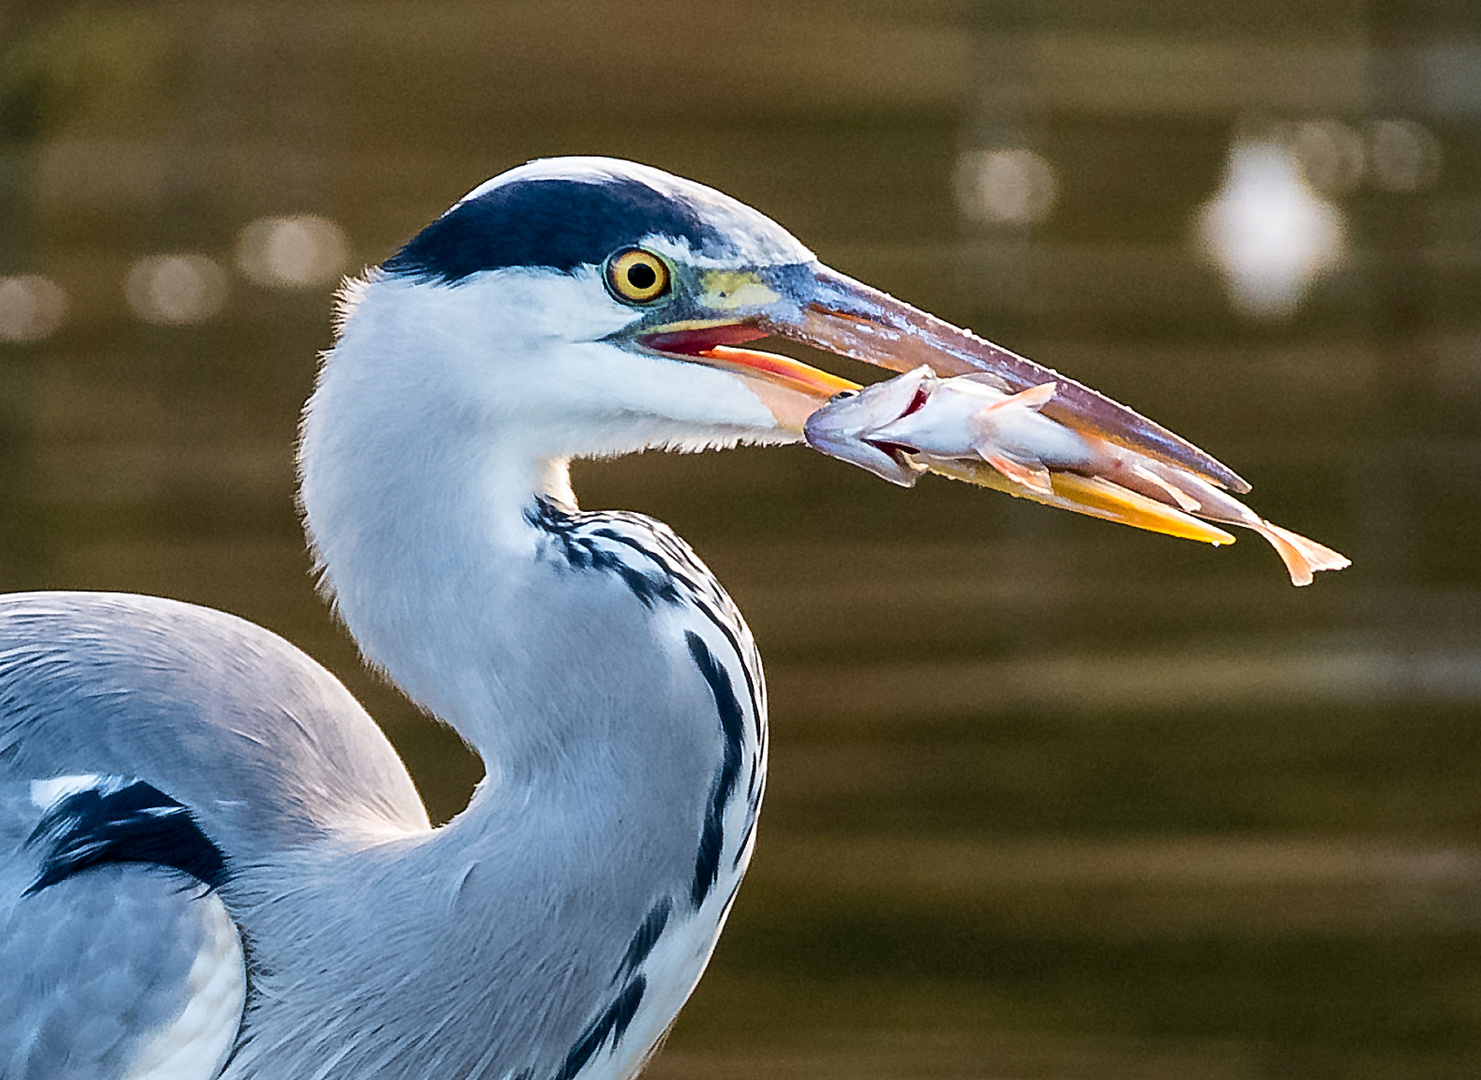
{"x": 129, "y": 823}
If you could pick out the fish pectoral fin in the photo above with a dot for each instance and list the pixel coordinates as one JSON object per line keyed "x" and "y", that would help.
{"x": 1031, "y": 475}
{"x": 1033, "y": 399}
{"x": 1302, "y": 557}
{"x": 986, "y": 434}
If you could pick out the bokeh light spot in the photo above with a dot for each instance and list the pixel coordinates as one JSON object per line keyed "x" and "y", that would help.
{"x": 297, "y": 252}
{"x": 31, "y": 307}
{"x": 1007, "y": 186}
{"x": 1406, "y": 155}
{"x": 177, "y": 289}
{"x": 1266, "y": 229}
{"x": 1332, "y": 155}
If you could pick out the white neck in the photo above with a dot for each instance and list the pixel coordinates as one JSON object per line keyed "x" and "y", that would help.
{"x": 418, "y": 539}
{"x": 599, "y": 731}
{"x": 440, "y": 415}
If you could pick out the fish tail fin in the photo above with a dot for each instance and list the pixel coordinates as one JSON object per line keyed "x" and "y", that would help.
{"x": 1302, "y": 557}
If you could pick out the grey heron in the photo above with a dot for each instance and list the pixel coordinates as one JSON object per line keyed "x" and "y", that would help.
{"x": 212, "y": 862}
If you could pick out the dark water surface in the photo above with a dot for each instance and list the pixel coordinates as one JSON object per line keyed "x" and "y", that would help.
{"x": 1049, "y": 798}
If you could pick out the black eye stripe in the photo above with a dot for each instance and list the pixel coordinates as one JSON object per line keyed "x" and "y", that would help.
{"x": 557, "y": 223}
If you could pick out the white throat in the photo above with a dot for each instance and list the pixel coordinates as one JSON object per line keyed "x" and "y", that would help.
{"x": 440, "y": 416}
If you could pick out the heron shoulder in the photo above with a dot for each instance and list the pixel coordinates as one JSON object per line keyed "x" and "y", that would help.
{"x": 264, "y": 746}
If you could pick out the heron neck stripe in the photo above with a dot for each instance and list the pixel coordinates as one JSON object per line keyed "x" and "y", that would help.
{"x": 696, "y": 580}
{"x": 707, "y": 864}
{"x": 132, "y": 823}
{"x": 612, "y": 1023}
{"x": 656, "y": 565}
{"x": 740, "y": 848}
{"x": 646, "y": 937}
{"x": 579, "y": 545}
{"x": 718, "y": 607}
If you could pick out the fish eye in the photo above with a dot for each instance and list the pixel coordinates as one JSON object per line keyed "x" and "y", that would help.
{"x": 637, "y": 276}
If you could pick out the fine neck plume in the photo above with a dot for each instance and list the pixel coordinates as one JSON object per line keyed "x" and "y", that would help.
{"x": 417, "y": 511}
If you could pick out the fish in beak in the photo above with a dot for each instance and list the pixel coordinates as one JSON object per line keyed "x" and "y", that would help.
{"x": 962, "y": 407}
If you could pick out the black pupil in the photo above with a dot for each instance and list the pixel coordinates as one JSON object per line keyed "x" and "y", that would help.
{"x": 642, "y": 276}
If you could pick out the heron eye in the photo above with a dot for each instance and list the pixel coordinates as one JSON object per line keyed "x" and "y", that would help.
{"x": 844, "y": 395}
{"x": 637, "y": 276}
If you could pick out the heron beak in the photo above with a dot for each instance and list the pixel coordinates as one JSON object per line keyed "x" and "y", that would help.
{"x": 822, "y": 308}
{"x": 847, "y": 317}
{"x": 827, "y": 310}
{"x": 733, "y": 308}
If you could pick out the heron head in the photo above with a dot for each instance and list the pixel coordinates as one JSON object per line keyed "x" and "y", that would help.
{"x": 601, "y": 307}
{"x": 590, "y": 307}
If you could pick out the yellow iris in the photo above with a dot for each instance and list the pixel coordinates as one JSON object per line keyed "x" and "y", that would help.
{"x": 637, "y": 276}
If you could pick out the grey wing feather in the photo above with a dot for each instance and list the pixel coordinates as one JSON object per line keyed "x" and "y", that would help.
{"x": 268, "y": 749}
{"x": 265, "y": 749}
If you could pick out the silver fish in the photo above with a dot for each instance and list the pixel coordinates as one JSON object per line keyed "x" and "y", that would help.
{"x": 918, "y": 422}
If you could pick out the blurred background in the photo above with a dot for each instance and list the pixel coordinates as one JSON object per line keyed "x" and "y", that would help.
{"x": 1050, "y": 798}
